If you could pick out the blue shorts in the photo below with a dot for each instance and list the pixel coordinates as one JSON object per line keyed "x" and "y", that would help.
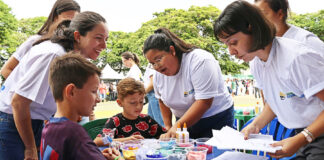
{"x": 11, "y": 145}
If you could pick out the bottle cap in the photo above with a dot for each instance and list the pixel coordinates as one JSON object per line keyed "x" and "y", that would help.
{"x": 179, "y": 125}
{"x": 185, "y": 125}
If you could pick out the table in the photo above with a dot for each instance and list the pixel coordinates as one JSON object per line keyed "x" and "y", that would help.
{"x": 216, "y": 152}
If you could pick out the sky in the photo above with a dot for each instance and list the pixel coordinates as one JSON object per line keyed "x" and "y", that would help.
{"x": 128, "y": 15}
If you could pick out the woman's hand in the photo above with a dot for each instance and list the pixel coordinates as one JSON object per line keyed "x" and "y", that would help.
{"x": 170, "y": 134}
{"x": 250, "y": 129}
{"x": 289, "y": 146}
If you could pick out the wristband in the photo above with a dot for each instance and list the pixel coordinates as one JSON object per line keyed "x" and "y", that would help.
{"x": 117, "y": 158}
{"x": 307, "y": 136}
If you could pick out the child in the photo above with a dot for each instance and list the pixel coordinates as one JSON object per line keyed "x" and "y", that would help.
{"x": 131, "y": 124}
{"x": 74, "y": 82}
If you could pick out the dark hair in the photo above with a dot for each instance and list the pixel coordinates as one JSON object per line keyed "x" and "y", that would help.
{"x": 59, "y": 7}
{"x": 241, "y": 16}
{"x": 67, "y": 69}
{"x": 83, "y": 22}
{"x": 163, "y": 38}
{"x": 129, "y": 86}
{"x": 128, "y": 55}
{"x": 276, "y": 5}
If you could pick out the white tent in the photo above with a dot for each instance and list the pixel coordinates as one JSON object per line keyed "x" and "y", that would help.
{"x": 109, "y": 73}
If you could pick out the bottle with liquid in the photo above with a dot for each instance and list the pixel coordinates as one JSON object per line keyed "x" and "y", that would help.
{"x": 257, "y": 109}
{"x": 179, "y": 133}
{"x": 185, "y": 134}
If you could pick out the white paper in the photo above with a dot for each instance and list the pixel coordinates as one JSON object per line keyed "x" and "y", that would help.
{"x": 228, "y": 155}
{"x": 229, "y": 138}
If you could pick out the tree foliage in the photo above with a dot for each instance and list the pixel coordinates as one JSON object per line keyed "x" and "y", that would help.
{"x": 8, "y": 25}
{"x": 194, "y": 26}
{"x": 313, "y": 22}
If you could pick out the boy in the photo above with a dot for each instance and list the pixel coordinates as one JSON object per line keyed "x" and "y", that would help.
{"x": 131, "y": 124}
{"x": 74, "y": 83}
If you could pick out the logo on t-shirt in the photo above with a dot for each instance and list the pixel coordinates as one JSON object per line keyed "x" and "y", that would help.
{"x": 289, "y": 95}
{"x": 186, "y": 93}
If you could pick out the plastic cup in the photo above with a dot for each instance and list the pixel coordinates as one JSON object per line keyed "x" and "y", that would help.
{"x": 178, "y": 154}
{"x": 167, "y": 143}
{"x": 201, "y": 142}
{"x": 197, "y": 153}
{"x": 181, "y": 143}
{"x": 129, "y": 149}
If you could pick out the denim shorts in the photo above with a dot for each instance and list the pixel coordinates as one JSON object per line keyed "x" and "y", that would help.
{"x": 11, "y": 145}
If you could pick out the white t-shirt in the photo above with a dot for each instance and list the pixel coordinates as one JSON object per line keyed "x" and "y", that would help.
{"x": 25, "y": 47}
{"x": 135, "y": 73}
{"x": 148, "y": 73}
{"x": 199, "y": 77}
{"x": 304, "y": 36}
{"x": 30, "y": 80}
{"x": 291, "y": 76}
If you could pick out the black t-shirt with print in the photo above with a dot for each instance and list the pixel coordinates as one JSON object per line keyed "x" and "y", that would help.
{"x": 144, "y": 125}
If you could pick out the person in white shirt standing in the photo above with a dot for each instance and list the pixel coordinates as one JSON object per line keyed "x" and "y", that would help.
{"x": 153, "y": 107}
{"x": 289, "y": 72}
{"x": 276, "y": 11}
{"x": 188, "y": 84}
{"x": 130, "y": 60}
{"x": 25, "y": 97}
{"x": 62, "y": 9}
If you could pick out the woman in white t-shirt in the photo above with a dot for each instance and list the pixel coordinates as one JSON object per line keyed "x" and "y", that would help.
{"x": 62, "y": 9}
{"x": 188, "y": 84}
{"x": 276, "y": 11}
{"x": 130, "y": 60}
{"x": 289, "y": 72}
{"x": 25, "y": 97}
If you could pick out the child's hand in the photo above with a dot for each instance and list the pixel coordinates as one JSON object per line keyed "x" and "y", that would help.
{"x": 111, "y": 154}
{"x": 135, "y": 137}
{"x": 289, "y": 146}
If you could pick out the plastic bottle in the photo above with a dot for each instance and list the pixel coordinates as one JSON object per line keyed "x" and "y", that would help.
{"x": 179, "y": 133}
{"x": 257, "y": 109}
{"x": 185, "y": 133}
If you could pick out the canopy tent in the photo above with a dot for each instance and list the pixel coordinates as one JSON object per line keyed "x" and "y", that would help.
{"x": 109, "y": 73}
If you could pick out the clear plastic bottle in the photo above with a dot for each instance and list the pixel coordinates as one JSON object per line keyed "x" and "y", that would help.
{"x": 179, "y": 133}
{"x": 257, "y": 109}
{"x": 185, "y": 133}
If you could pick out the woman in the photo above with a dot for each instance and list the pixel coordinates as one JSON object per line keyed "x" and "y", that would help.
{"x": 290, "y": 74}
{"x": 189, "y": 84}
{"x": 130, "y": 60}
{"x": 276, "y": 11}
{"x": 26, "y": 100}
{"x": 62, "y": 9}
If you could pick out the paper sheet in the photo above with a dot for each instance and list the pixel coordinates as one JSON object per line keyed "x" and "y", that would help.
{"x": 229, "y": 138}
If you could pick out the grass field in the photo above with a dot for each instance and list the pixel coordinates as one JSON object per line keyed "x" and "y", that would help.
{"x": 110, "y": 108}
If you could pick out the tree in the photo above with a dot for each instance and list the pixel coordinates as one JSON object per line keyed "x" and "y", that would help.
{"x": 313, "y": 22}
{"x": 8, "y": 24}
{"x": 194, "y": 25}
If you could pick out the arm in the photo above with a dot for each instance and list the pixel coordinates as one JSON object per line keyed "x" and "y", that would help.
{"x": 149, "y": 87}
{"x": 22, "y": 118}
{"x": 9, "y": 66}
{"x": 166, "y": 115}
{"x": 260, "y": 121}
{"x": 292, "y": 144}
